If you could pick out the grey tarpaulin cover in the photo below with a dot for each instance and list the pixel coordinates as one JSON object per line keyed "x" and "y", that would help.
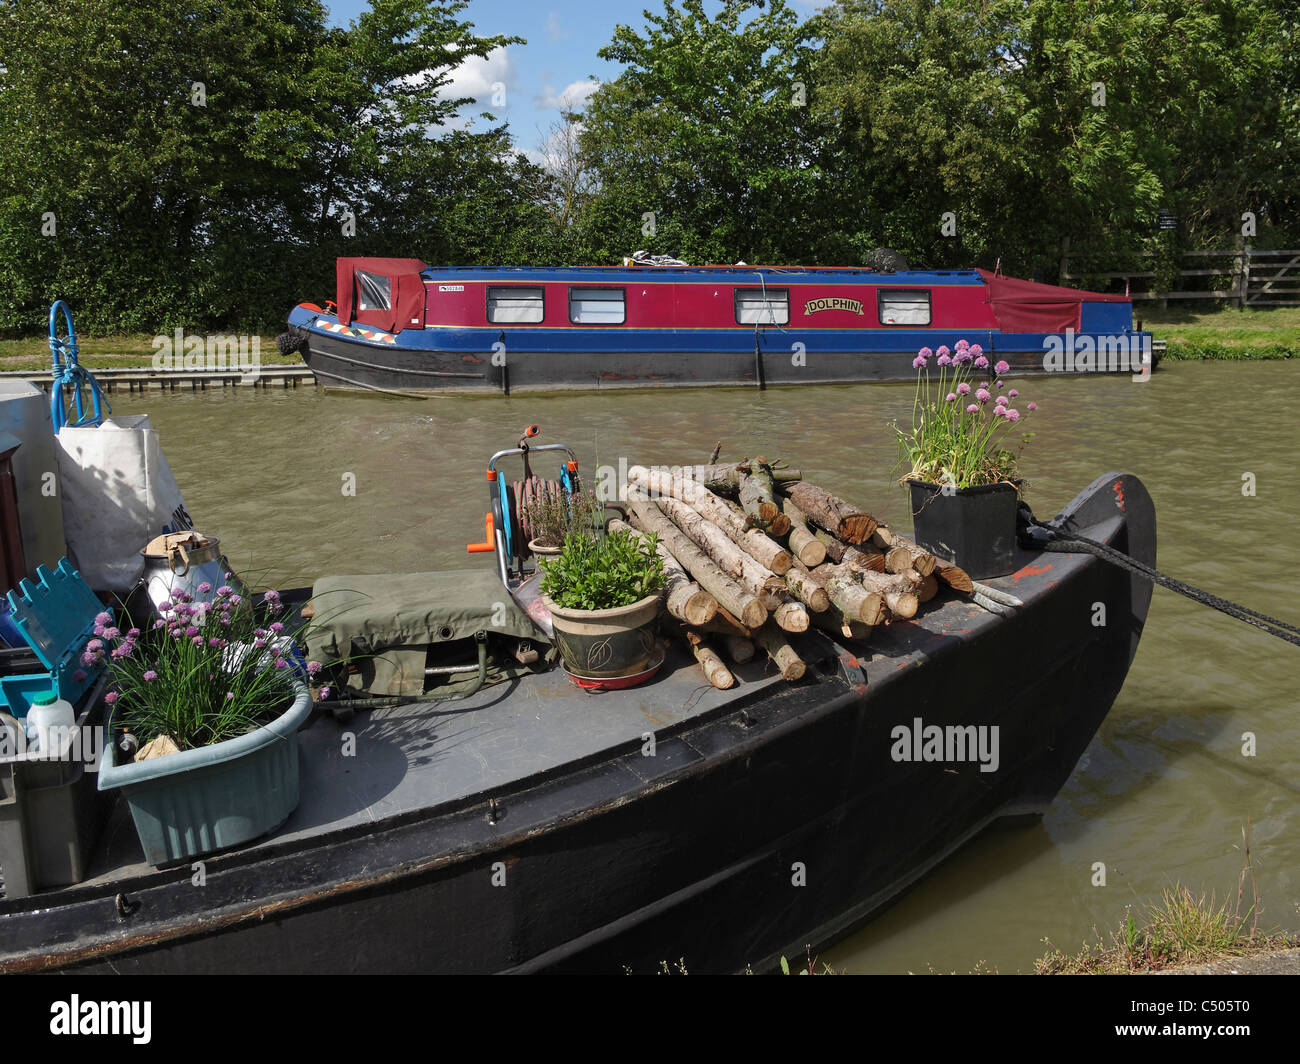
{"x": 388, "y": 621}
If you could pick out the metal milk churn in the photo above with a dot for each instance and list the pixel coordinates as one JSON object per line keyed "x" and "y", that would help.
{"x": 185, "y": 561}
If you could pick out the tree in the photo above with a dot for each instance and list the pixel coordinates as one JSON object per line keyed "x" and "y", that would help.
{"x": 707, "y": 130}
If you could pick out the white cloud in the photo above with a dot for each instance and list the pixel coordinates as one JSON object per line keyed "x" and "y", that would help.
{"x": 477, "y": 77}
{"x": 553, "y": 28}
{"x": 573, "y": 98}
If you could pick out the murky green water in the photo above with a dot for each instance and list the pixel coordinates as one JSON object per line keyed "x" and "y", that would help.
{"x": 1161, "y": 796}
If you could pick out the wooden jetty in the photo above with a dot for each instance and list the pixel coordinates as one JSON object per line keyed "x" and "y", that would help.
{"x": 143, "y": 378}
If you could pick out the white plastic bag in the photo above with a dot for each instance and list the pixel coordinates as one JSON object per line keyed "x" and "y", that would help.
{"x": 118, "y": 493}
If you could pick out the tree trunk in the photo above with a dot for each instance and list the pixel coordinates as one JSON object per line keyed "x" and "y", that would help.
{"x": 791, "y": 615}
{"x": 729, "y": 594}
{"x": 781, "y": 652}
{"x": 683, "y": 598}
{"x": 806, "y": 547}
{"x": 831, "y": 512}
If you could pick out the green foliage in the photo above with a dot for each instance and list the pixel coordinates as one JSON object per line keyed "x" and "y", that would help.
{"x": 603, "y": 573}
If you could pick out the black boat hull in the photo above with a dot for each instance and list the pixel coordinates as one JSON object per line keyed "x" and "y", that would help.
{"x": 771, "y": 825}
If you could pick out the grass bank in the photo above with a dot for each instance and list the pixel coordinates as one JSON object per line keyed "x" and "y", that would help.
{"x": 1228, "y": 334}
{"x": 1179, "y": 929}
{"x": 111, "y": 352}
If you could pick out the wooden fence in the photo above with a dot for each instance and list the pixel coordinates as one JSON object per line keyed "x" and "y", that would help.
{"x": 1256, "y": 278}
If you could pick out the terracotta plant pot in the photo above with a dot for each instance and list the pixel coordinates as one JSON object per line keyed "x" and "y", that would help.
{"x": 617, "y": 642}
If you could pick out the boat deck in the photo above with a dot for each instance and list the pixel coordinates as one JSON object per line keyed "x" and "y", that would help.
{"x": 425, "y": 757}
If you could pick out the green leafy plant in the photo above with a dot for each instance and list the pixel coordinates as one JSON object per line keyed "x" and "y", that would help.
{"x": 551, "y": 516}
{"x": 209, "y": 669}
{"x": 959, "y": 421}
{"x": 603, "y": 573}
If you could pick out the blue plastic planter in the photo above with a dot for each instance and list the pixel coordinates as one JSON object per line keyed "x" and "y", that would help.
{"x": 199, "y": 801}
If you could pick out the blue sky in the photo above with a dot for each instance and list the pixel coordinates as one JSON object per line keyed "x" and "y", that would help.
{"x": 563, "y": 38}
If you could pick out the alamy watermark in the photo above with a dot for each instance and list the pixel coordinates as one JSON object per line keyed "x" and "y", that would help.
{"x": 1089, "y": 353}
{"x": 951, "y": 743}
{"x": 220, "y": 353}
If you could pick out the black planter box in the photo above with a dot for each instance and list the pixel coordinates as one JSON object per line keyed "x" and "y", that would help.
{"x": 973, "y": 528}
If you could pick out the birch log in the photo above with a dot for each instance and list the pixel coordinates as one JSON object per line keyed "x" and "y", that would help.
{"x": 763, "y": 549}
{"x": 714, "y": 670}
{"x": 758, "y": 497}
{"x": 855, "y": 601}
{"x": 791, "y": 615}
{"x": 864, "y": 557}
{"x": 836, "y": 624}
{"x": 832, "y": 513}
{"x": 783, "y": 655}
{"x": 896, "y": 592}
{"x": 808, "y": 588}
{"x": 725, "y": 479}
{"x": 901, "y": 553}
{"x": 728, "y": 593}
{"x": 684, "y": 598}
{"x": 810, "y": 551}
{"x": 746, "y": 571}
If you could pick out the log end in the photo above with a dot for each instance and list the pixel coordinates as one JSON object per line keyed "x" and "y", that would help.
{"x": 700, "y": 608}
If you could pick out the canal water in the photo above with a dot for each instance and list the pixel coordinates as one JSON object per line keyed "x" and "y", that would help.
{"x": 303, "y": 483}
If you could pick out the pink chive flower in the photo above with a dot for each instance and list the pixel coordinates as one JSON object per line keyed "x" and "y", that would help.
{"x": 197, "y": 640}
{"x": 973, "y": 408}
{"x": 191, "y": 631}
{"x": 981, "y": 362}
{"x": 111, "y": 697}
{"x": 1001, "y": 384}
{"x": 324, "y": 692}
{"x": 925, "y": 352}
{"x": 276, "y": 626}
{"x": 962, "y": 345}
{"x": 230, "y": 696}
{"x": 204, "y": 588}
{"x": 952, "y": 397}
{"x": 150, "y": 675}
{"x": 313, "y": 667}
{"x": 103, "y": 618}
{"x": 1002, "y": 400}
{"x": 94, "y": 644}
{"x": 976, "y": 350}
{"x": 280, "y": 663}
{"x": 944, "y": 360}
{"x": 983, "y": 395}
{"x": 1033, "y": 406}
{"x": 963, "y": 388}
{"x": 213, "y": 641}
{"x": 1002, "y": 367}
{"x": 1013, "y": 393}
{"x": 1013, "y": 414}
{"x": 943, "y": 349}
{"x": 918, "y": 362}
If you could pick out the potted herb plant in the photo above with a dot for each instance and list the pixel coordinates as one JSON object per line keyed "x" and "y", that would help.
{"x": 604, "y": 596}
{"x": 212, "y": 697}
{"x": 552, "y": 515}
{"x": 964, "y": 482}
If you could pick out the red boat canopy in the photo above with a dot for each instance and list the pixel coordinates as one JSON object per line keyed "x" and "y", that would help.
{"x": 1027, "y": 306}
{"x": 385, "y": 293}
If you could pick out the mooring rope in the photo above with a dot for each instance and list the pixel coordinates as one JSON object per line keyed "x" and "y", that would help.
{"x": 1048, "y": 538}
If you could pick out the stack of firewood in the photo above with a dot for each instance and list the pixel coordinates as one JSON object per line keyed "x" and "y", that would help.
{"x": 753, "y": 552}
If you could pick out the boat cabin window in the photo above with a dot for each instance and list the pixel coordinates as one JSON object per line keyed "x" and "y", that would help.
{"x": 757, "y": 306}
{"x": 515, "y": 306}
{"x": 901, "y": 306}
{"x": 374, "y": 291}
{"x": 597, "y": 306}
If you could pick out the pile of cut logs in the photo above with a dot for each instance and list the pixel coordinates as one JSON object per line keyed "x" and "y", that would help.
{"x": 753, "y": 552}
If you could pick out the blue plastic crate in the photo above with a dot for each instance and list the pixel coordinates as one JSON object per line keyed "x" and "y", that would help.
{"x": 55, "y": 615}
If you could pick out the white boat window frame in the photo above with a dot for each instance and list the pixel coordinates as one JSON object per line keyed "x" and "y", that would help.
{"x": 766, "y": 301}
{"x": 883, "y": 293}
{"x": 493, "y": 290}
{"x": 622, "y": 302}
